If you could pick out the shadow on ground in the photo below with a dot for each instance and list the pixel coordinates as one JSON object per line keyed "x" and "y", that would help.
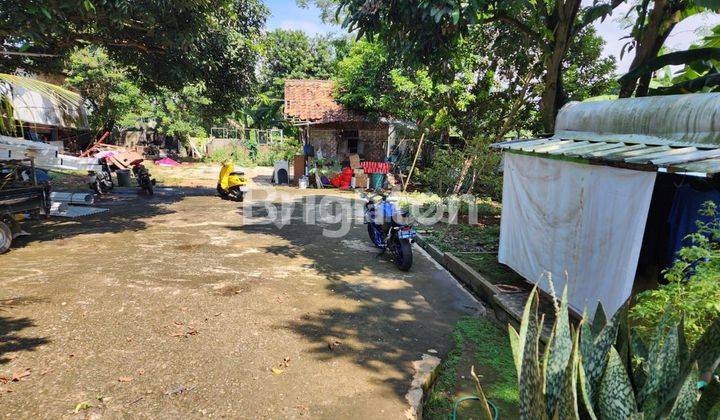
{"x": 394, "y": 317}
{"x": 10, "y": 342}
{"x": 127, "y": 212}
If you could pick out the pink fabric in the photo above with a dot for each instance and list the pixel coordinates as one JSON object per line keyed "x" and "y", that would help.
{"x": 166, "y": 162}
{"x": 106, "y": 153}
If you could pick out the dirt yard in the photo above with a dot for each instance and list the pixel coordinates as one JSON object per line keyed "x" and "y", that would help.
{"x": 175, "y": 306}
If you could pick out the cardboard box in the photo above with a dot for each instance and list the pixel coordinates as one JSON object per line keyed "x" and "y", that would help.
{"x": 298, "y": 168}
{"x": 354, "y": 161}
{"x": 361, "y": 181}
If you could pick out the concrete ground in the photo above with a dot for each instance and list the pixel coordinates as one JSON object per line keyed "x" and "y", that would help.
{"x": 175, "y": 306}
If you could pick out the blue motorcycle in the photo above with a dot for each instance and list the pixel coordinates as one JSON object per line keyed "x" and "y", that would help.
{"x": 388, "y": 231}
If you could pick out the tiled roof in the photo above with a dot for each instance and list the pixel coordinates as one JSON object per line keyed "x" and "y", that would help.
{"x": 312, "y": 101}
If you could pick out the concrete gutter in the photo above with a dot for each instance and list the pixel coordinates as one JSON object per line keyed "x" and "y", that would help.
{"x": 477, "y": 284}
{"x": 426, "y": 371}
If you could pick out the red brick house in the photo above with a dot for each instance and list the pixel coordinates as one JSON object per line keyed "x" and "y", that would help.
{"x": 329, "y": 127}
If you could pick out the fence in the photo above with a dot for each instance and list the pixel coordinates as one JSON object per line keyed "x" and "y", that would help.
{"x": 248, "y": 135}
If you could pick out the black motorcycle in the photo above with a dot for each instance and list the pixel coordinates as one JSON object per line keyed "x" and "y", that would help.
{"x": 388, "y": 231}
{"x": 145, "y": 182}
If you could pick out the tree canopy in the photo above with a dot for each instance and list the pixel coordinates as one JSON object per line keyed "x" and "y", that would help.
{"x": 162, "y": 44}
{"x": 430, "y": 30}
{"x": 289, "y": 54}
{"x": 484, "y": 91}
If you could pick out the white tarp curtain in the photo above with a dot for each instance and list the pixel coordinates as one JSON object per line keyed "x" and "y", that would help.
{"x": 584, "y": 220}
{"x": 41, "y": 108}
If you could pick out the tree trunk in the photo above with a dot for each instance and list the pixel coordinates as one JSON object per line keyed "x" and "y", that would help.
{"x": 472, "y": 181}
{"x": 463, "y": 173}
{"x": 552, "y": 98}
{"x": 660, "y": 23}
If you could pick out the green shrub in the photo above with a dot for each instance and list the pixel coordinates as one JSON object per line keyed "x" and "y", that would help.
{"x": 283, "y": 150}
{"x": 440, "y": 176}
{"x": 603, "y": 370}
{"x": 238, "y": 154}
{"x": 441, "y": 173}
{"x": 693, "y": 287}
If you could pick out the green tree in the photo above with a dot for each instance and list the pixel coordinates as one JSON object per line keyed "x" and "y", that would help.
{"x": 654, "y": 21}
{"x": 586, "y": 73}
{"x": 117, "y": 102}
{"x": 114, "y": 98}
{"x": 160, "y": 43}
{"x": 484, "y": 92}
{"x": 181, "y": 112}
{"x": 431, "y": 31}
{"x": 289, "y": 54}
{"x": 701, "y": 71}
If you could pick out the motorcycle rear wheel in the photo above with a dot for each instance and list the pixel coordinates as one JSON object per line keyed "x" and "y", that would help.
{"x": 222, "y": 193}
{"x": 6, "y": 237}
{"x": 403, "y": 254}
{"x": 236, "y": 194}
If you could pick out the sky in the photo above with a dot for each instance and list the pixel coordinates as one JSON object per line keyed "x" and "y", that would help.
{"x": 287, "y": 15}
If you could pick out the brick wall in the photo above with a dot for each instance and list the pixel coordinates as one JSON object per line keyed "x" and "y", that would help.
{"x": 329, "y": 140}
{"x": 325, "y": 140}
{"x": 374, "y": 143}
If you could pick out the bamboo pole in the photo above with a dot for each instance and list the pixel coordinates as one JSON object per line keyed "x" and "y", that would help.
{"x": 412, "y": 168}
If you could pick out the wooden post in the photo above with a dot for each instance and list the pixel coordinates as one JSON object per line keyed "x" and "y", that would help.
{"x": 412, "y": 168}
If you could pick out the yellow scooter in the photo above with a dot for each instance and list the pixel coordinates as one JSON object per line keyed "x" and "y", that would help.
{"x": 231, "y": 185}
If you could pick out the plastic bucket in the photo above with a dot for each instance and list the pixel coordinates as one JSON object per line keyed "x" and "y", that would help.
{"x": 123, "y": 177}
{"x": 377, "y": 181}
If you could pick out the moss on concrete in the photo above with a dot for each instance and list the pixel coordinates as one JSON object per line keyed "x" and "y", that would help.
{"x": 481, "y": 343}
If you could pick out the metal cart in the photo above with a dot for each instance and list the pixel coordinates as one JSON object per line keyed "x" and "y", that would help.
{"x": 20, "y": 193}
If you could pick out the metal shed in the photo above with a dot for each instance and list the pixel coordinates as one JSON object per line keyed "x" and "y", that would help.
{"x": 576, "y": 205}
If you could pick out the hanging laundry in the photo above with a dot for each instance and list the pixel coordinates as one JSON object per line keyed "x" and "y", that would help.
{"x": 685, "y": 213}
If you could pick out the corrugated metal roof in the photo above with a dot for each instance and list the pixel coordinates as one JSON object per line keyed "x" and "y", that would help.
{"x": 677, "y": 157}
{"x": 677, "y": 133}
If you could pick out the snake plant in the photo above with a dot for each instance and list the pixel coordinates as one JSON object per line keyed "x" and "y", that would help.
{"x": 600, "y": 370}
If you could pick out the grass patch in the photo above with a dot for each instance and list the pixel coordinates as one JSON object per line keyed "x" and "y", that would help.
{"x": 477, "y": 342}
{"x": 69, "y": 180}
{"x": 476, "y": 246}
{"x": 488, "y": 265}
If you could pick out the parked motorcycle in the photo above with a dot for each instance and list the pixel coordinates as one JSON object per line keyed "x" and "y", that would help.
{"x": 145, "y": 182}
{"x": 231, "y": 185}
{"x": 387, "y": 229}
{"x": 101, "y": 182}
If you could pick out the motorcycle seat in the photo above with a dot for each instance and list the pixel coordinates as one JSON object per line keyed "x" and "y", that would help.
{"x": 237, "y": 173}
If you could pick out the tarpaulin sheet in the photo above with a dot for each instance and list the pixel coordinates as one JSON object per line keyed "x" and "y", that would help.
{"x": 579, "y": 222}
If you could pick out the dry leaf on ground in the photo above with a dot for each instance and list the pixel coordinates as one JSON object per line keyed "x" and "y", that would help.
{"x": 18, "y": 376}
